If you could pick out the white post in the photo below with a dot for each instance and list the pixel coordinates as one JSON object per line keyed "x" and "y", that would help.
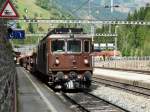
{"x": 112, "y": 3}
{"x": 90, "y": 18}
{"x": 111, "y": 7}
{"x": 115, "y": 50}
{"x": 89, "y": 9}
{"x": 92, "y": 33}
{"x": 110, "y": 28}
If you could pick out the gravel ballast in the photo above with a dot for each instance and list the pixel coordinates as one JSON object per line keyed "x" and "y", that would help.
{"x": 126, "y": 100}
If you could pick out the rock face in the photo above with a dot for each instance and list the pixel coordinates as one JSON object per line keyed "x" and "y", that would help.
{"x": 7, "y": 76}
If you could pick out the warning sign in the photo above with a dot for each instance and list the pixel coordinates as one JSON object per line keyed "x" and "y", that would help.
{"x": 8, "y": 11}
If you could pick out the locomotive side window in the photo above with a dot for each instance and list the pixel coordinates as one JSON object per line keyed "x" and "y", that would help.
{"x": 58, "y": 46}
{"x": 74, "y": 46}
{"x": 86, "y": 46}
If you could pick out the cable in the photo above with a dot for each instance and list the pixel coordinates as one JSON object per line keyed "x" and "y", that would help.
{"x": 66, "y": 8}
{"x": 81, "y": 6}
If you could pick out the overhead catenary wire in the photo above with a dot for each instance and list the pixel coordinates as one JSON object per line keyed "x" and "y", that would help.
{"x": 80, "y": 6}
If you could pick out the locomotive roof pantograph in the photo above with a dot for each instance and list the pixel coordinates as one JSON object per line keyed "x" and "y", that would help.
{"x": 75, "y": 36}
{"x": 66, "y": 31}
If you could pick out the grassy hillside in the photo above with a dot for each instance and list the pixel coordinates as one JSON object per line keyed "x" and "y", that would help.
{"x": 29, "y": 9}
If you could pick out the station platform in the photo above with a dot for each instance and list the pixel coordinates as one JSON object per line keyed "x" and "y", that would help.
{"x": 126, "y": 77}
{"x": 34, "y": 96}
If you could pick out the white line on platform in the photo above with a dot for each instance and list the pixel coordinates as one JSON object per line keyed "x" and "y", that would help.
{"x": 49, "y": 105}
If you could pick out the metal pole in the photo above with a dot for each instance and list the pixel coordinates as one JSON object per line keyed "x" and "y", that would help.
{"x": 110, "y": 28}
{"x": 90, "y": 18}
{"x": 111, "y": 7}
{"x": 89, "y": 9}
{"x": 92, "y": 32}
{"x": 112, "y": 3}
{"x": 115, "y": 50}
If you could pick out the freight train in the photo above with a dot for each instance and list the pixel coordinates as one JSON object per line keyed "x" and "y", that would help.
{"x": 64, "y": 58}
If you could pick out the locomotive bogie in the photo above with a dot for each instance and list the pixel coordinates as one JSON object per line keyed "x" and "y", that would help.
{"x": 71, "y": 79}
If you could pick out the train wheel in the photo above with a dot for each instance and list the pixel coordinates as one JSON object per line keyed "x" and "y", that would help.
{"x": 88, "y": 78}
{"x": 59, "y": 75}
{"x": 59, "y": 79}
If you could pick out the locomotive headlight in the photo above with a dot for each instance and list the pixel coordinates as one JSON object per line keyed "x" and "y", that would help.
{"x": 57, "y": 61}
{"x": 86, "y": 61}
{"x": 15, "y": 58}
{"x": 65, "y": 76}
{"x": 80, "y": 77}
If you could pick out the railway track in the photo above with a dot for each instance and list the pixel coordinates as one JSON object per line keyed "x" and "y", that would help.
{"x": 87, "y": 102}
{"x": 129, "y": 88}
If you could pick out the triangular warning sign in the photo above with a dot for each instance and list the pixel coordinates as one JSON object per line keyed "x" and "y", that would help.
{"x": 8, "y": 11}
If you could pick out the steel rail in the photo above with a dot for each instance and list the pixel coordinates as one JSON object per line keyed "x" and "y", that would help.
{"x": 123, "y": 86}
{"x": 103, "y": 105}
{"x": 108, "y": 102}
{"x": 74, "y": 102}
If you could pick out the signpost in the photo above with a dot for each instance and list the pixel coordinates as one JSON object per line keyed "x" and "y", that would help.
{"x": 16, "y": 34}
{"x": 8, "y": 11}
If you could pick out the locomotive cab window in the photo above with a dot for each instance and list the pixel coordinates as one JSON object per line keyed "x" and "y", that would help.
{"x": 58, "y": 46}
{"x": 74, "y": 46}
{"x": 86, "y": 46}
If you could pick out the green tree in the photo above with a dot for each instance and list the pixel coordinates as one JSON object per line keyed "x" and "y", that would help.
{"x": 18, "y": 25}
{"x": 133, "y": 39}
{"x": 30, "y": 28}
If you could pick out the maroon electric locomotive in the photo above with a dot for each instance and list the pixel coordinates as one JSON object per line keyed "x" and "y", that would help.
{"x": 64, "y": 58}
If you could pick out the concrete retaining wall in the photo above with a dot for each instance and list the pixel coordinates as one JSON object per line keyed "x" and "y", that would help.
{"x": 7, "y": 75}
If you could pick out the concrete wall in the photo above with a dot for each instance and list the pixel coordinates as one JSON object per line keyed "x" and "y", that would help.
{"x": 7, "y": 75}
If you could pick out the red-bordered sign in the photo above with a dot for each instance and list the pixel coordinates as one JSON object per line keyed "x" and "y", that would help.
{"x": 8, "y": 11}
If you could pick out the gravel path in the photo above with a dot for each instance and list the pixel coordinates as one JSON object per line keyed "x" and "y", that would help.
{"x": 123, "y": 99}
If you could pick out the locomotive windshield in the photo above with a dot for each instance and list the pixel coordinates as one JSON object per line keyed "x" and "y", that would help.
{"x": 74, "y": 46}
{"x": 67, "y": 45}
{"x": 58, "y": 46}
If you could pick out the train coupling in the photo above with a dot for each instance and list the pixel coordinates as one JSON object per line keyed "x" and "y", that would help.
{"x": 70, "y": 84}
